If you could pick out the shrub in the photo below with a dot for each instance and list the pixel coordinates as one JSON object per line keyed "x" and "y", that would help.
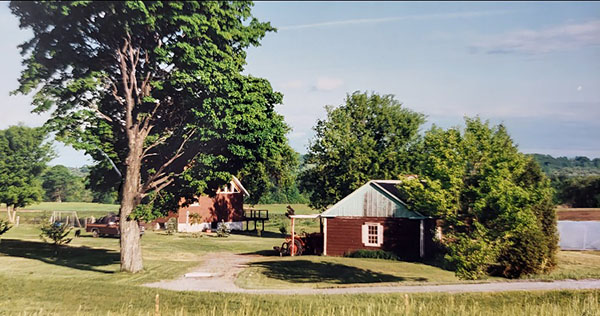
{"x": 525, "y": 253}
{"x": 223, "y": 230}
{"x": 470, "y": 256}
{"x": 283, "y": 229}
{"x": 372, "y": 254}
{"x": 57, "y": 233}
{"x": 171, "y": 226}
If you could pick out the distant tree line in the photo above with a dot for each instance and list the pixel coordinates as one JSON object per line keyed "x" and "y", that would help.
{"x": 576, "y": 181}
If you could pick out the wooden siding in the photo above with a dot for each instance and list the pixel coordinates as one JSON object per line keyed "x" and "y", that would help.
{"x": 224, "y": 206}
{"x": 400, "y": 235}
{"x": 370, "y": 201}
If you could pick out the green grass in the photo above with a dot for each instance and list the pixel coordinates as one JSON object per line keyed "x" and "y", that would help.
{"x": 322, "y": 272}
{"x": 85, "y": 280}
{"x": 574, "y": 265}
{"x": 73, "y": 206}
{"x": 282, "y": 208}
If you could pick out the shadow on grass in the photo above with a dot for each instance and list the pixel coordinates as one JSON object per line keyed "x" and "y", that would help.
{"x": 81, "y": 258}
{"x": 305, "y": 271}
{"x": 264, "y": 253}
{"x": 265, "y": 234}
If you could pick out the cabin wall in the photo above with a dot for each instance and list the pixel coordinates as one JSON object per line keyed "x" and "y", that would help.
{"x": 228, "y": 207}
{"x": 400, "y": 235}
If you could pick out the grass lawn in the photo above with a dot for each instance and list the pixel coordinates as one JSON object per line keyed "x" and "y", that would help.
{"x": 84, "y": 280}
{"x": 321, "y": 272}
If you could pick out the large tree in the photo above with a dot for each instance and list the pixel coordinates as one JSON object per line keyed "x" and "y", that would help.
{"x": 365, "y": 138}
{"x": 23, "y": 157}
{"x": 495, "y": 201}
{"x": 158, "y": 88}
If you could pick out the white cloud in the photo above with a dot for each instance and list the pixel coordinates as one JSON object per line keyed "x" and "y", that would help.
{"x": 292, "y": 84}
{"x": 449, "y": 15}
{"x": 558, "y": 38}
{"x": 328, "y": 83}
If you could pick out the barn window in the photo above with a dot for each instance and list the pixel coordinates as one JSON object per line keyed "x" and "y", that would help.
{"x": 372, "y": 234}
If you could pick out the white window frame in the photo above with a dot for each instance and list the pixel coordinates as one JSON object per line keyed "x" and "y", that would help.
{"x": 365, "y": 234}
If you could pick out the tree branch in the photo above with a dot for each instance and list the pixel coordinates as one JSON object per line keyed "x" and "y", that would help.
{"x": 151, "y": 182}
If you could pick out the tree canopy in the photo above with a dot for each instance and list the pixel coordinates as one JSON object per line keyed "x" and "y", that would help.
{"x": 61, "y": 184}
{"x": 23, "y": 157}
{"x": 366, "y": 138}
{"x": 495, "y": 201}
{"x": 158, "y": 88}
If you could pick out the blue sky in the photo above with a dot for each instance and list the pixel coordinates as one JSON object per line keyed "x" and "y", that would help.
{"x": 533, "y": 66}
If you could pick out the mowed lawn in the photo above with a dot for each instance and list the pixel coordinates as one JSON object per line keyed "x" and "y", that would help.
{"x": 84, "y": 280}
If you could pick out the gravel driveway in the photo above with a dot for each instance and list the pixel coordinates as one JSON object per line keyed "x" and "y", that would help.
{"x": 220, "y": 269}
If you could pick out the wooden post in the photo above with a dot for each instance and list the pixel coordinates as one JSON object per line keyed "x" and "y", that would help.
{"x": 156, "y": 306}
{"x": 325, "y": 236}
{"x": 19, "y": 217}
{"x": 293, "y": 243}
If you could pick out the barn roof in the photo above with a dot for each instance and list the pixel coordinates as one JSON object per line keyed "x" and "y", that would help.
{"x": 376, "y": 198}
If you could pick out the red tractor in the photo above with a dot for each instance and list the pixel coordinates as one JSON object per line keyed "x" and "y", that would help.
{"x": 310, "y": 244}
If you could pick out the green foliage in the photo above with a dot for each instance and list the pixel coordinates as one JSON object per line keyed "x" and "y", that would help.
{"x": 57, "y": 233}
{"x": 223, "y": 230}
{"x": 495, "y": 201}
{"x": 366, "y": 138}
{"x": 470, "y": 255}
{"x": 580, "y": 191}
{"x": 171, "y": 226}
{"x": 185, "y": 109}
{"x": 562, "y": 166}
{"x": 60, "y": 184}
{"x": 4, "y": 226}
{"x": 23, "y": 157}
{"x": 372, "y": 254}
{"x": 283, "y": 229}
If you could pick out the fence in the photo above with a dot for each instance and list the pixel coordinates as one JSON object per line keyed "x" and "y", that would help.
{"x": 579, "y": 235}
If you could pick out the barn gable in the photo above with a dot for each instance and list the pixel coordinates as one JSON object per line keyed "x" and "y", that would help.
{"x": 377, "y": 198}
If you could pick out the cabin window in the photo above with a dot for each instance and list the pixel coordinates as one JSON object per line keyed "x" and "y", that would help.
{"x": 372, "y": 234}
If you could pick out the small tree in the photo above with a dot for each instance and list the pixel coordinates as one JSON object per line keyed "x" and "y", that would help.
{"x": 23, "y": 157}
{"x": 171, "y": 226}
{"x": 57, "y": 233}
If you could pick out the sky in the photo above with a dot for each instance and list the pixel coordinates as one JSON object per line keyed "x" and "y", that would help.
{"x": 533, "y": 66}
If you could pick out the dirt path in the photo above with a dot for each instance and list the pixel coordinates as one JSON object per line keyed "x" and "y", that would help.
{"x": 220, "y": 269}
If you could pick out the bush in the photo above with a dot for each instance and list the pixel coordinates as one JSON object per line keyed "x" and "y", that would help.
{"x": 470, "y": 256}
{"x": 223, "y": 230}
{"x": 372, "y": 254}
{"x": 171, "y": 226}
{"x": 525, "y": 253}
{"x": 283, "y": 229}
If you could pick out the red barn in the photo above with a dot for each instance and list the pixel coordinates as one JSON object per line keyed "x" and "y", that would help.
{"x": 374, "y": 217}
{"x": 227, "y": 205}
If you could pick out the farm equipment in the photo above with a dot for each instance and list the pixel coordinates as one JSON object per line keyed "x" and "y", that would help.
{"x": 306, "y": 243}
{"x": 310, "y": 244}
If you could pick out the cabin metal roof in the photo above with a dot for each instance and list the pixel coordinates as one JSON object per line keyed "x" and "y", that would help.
{"x": 376, "y": 198}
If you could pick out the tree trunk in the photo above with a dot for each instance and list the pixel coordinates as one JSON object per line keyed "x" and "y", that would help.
{"x": 131, "y": 249}
{"x": 12, "y": 215}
